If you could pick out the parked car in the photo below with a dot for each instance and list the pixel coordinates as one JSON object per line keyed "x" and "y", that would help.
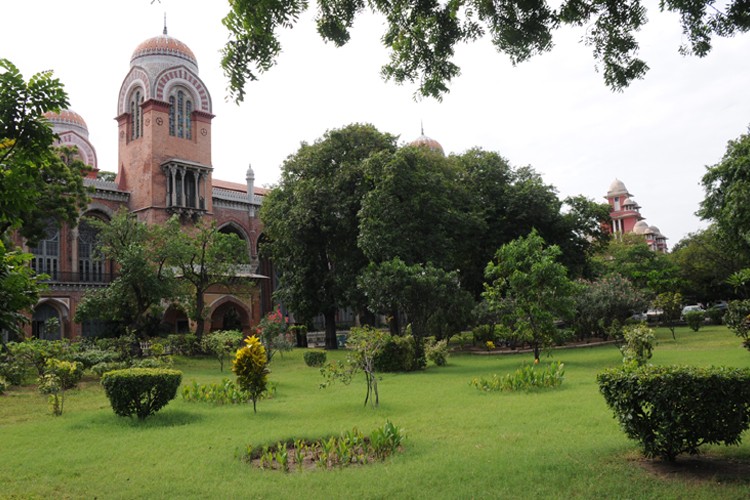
{"x": 654, "y": 315}
{"x": 721, "y": 305}
{"x": 691, "y": 308}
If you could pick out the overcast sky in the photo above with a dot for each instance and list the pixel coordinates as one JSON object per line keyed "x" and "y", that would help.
{"x": 553, "y": 112}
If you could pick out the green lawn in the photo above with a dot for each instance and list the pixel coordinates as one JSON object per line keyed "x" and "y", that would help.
{"x": 461, "y": 443}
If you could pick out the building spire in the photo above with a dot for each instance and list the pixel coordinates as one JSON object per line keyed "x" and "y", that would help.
{"x": 421, "y": 126}
{"x": 165, "y": 23}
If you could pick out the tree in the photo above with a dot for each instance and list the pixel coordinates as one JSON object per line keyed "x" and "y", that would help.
{"x": 727, "y": 187}
{"x": 365, "y": 344}
{"x": 19, "y": 290}
{"x": 604, "y": 305}
{"x": 251, "y": 367}
{"x": 706, "y": 261}
{"x": 526, "y": 280}
{"x": 205, "y": 257}
{"x": 135, "y": 299}
{"x": 311, "y": 223}
{"x": 222, "y": 344}
{"x": 423, "y": 292}
{"x": 670, "y": 306}
{"x": 37, "y": 182}
{"x": 629, "y": 256}
{"x": 422, "y": 36}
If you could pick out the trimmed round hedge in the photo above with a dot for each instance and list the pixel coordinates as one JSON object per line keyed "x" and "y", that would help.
{"x": 675, "y": 409}
{"x": 140, "y": 391}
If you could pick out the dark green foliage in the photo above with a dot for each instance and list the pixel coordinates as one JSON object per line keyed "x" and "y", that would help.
{"x": 694, "y": 319}
{"x": 315, "y": 358}
{"x": 530, "y": 289}
{"x": 398, "y": 355}
{"x": 311, "y": 223}
{"x": 34, "y": 353}
{"x": 715, "y": 315}
{"x": 422, "y": 36}
{"x": 727, "y": 186}
{"x": 140, "y": 391}
{"x": 737, "y": 319}
{"x": 601, "y": 303}
{"x": 672, "y": 410}
{"x": 92, "y": 357}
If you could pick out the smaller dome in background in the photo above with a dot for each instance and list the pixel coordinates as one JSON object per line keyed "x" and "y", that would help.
{"x": 67, "y": 120}
{"x": 655, "y": 230}
{"x": 427, "y": 142}
{"x": 640, "y": 227}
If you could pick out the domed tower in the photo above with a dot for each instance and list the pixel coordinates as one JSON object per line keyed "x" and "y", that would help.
{"x": 164, "y": 122}
{"x": 427, "y": 142}
{"x": 72, "y": 131}
{"x": 624, "y": 211}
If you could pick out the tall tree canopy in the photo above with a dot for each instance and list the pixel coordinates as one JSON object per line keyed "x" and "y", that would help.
{"x": 311, "y": 222}
{"x": 530, "y": 289}
{"x": 37, "y": 182}
{"x": 205, "y": 257}
{"x": 145, "y": 281}
{"x": 727, "y": 201}
{"x": 422, "y": 35}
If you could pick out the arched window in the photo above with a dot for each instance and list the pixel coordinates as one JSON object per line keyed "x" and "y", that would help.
{"x": 47, "y": 253}
{"x": 180, "y": 114}
{"x": 91, "y": 266}
{"x": 136, "y": 115}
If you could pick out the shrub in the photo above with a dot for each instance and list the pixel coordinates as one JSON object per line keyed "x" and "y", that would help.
{"x": 185, "y": 344}
{"x": 715, "y": 315}
{"x": 140, "y": 391}
{"x": 639, "y": 344}
{"x": 12, "y": 370}
{"x": 3, "y": 385}
{"x": 694, "y": 319}
{"x": 57, "y": 378}
{"x": 398, "y": 355}
{"x": 222, "y": 344}
{"x": 225, "y": 392}
{"x": 250, "y": 366}
{"x": 36, "y": 352}
{"x": 525, "y": 378}
{"x": 102, "y": 368}
{"x": 315, "y": 358}
{"x": 672, "y": 410}
{"x": 483, "y": 333}
{"x": 737, "y": 319}
{"x": 92, "y": 357}
{"x": 437, "y": 352}
{"x": 161, "y": 362}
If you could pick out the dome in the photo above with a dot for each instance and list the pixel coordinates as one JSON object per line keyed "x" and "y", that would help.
{"x": 617, "y": 187}
{"x": 67, "y": 120}
{"x": 163, "y": 51}
{"x": 424, "y": 141}
{"x": 640, "y": 227}
{"x": 655, "y": 230}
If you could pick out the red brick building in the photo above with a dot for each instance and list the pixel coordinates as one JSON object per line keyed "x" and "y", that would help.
{"x": 626, "y": 217}
{"x": 164, "y": 114}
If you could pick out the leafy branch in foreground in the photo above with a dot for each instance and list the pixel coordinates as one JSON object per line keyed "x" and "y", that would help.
{"x": 422, "y": 36}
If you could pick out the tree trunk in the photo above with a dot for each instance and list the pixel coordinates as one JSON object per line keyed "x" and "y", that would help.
{"x": 330, "y": 320}
{"x": 394, "y": 324}
{"x": 199, "y": 321}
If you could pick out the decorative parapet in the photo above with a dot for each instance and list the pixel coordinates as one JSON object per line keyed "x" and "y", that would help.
{"x": 107, "y": 190}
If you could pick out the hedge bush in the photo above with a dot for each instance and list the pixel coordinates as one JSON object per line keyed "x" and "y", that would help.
{"x": 140, "y": 391}
{"x": 315, "y": 358}
{"x": 694, "y": 319}
{"x": 398, "y": 355}
{"x": 672, "y": 410}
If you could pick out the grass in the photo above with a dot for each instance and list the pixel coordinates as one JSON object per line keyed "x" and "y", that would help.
{"x": 461, "y": 443}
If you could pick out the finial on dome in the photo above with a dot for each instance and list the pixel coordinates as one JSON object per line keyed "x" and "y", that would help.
{"x": 165, "y": 23}
{"x": 250, "y": 174}
{"x": 421, "y": 127}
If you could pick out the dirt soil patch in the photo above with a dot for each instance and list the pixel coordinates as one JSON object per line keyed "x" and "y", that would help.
{"x": 700, "y": 468}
